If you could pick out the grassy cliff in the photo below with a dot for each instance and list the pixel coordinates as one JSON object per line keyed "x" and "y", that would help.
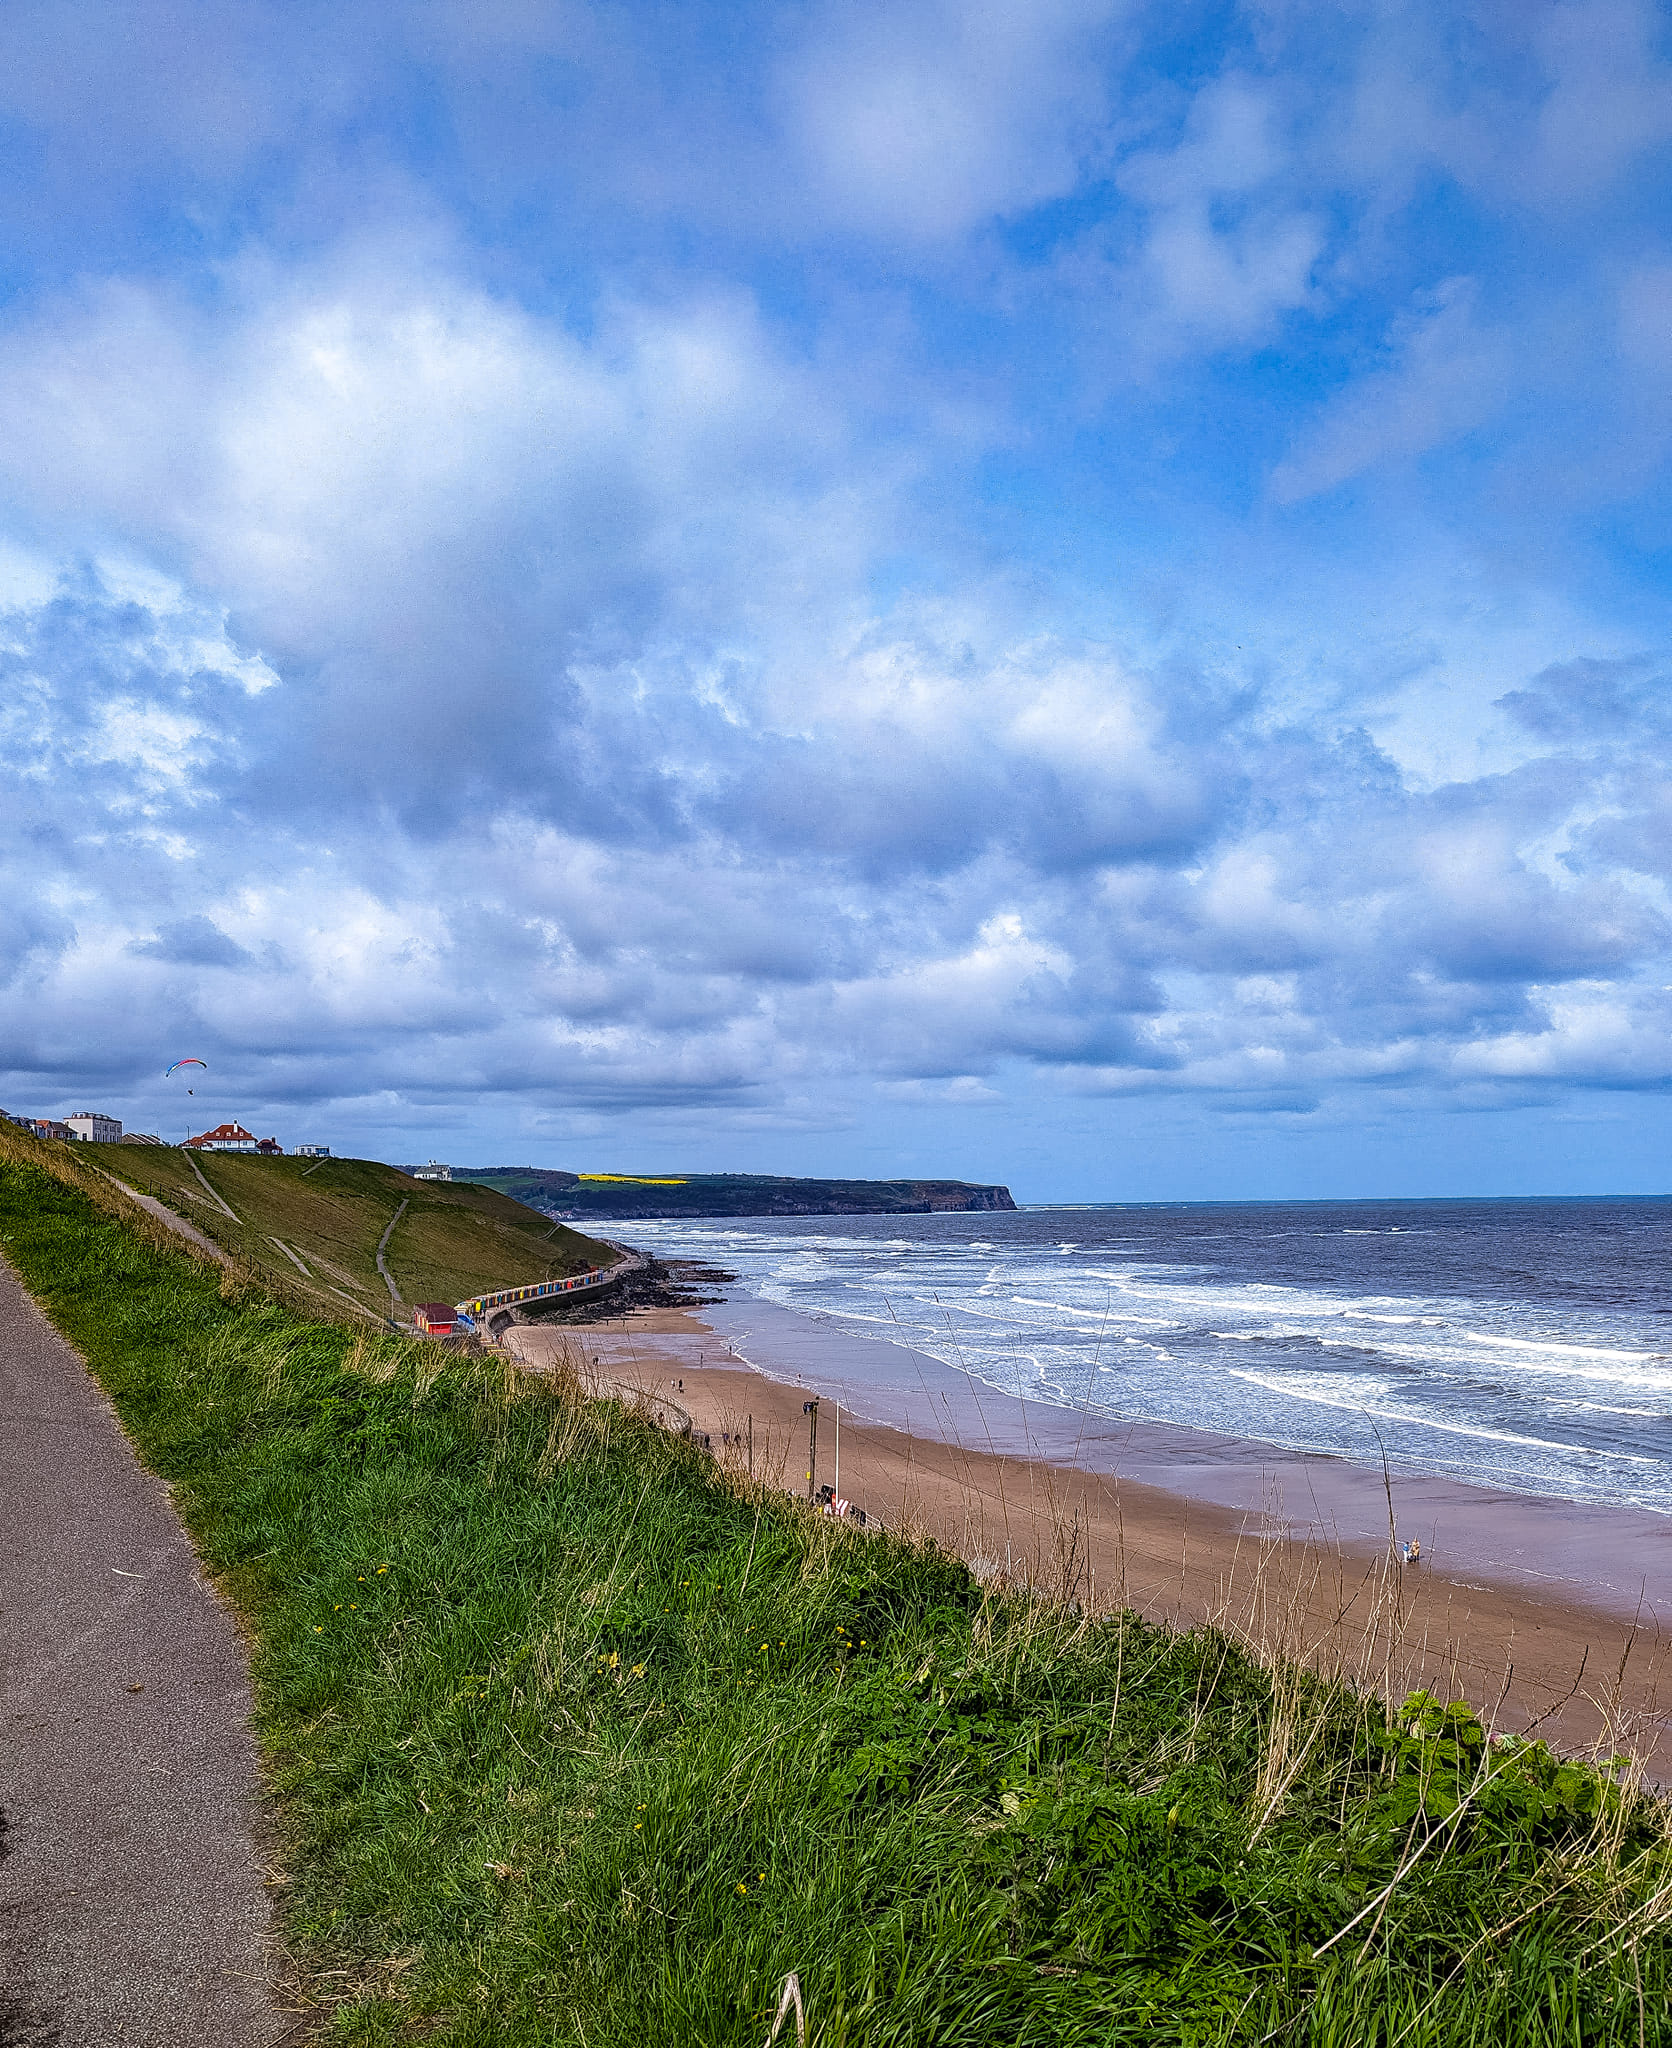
{"x": 572, "y": 1737}
{"x": 317, "y": 1224}
{"x": 618, "y": 1197}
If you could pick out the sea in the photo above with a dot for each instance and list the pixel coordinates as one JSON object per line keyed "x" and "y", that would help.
{"x": 1524, "y": 1346}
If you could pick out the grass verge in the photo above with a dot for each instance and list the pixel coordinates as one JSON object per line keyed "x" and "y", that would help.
{"x": 570, "y": 1739}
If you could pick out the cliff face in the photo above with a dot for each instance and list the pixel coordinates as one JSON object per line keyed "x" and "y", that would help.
{"x": 568, "y": 1196}
{"x": 972, "y": 1198}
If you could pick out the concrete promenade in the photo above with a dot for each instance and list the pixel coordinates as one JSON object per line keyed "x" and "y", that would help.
{"x": 133, "y": 1908}
{"x": 594, "y": 1281}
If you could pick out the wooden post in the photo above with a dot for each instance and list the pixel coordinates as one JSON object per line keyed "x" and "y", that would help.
{"x": 811, "y": 1410}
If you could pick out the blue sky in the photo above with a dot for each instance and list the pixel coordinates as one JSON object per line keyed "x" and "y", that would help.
{"x": 1071, "y": 593}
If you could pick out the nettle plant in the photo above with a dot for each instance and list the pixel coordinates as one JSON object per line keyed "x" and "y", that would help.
{"x": 1445, "y": 1767}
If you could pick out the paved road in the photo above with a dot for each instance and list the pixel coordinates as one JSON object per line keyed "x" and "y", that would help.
{"x": 132, "y": 1903}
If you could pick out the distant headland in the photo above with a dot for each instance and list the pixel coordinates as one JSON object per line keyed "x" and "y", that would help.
{"x": 604, "y": 1197}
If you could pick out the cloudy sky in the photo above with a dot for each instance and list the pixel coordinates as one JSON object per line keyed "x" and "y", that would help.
{"x": 1053, "y": 590}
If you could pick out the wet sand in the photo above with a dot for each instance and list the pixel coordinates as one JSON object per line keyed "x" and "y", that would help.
{"x": 1543, "y": 1614}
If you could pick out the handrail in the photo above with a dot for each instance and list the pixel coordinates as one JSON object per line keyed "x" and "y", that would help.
{"x": 540, "y": 1290}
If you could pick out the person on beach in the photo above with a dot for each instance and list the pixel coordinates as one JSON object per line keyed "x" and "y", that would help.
{"x": 1411, "y": 1552}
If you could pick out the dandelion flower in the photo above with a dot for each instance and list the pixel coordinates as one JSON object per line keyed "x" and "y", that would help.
{"x": 742, "y": 1887}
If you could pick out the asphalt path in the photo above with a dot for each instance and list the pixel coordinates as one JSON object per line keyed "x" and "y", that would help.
{"x": 133, "y": 1902}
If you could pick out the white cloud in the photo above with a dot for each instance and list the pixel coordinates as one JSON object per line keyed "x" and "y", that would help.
{"x": 1445, "y": 375}
{"x": 924, "y": 122}
{"x": 1227, "y": 245}
{"x": 642, "y": 624}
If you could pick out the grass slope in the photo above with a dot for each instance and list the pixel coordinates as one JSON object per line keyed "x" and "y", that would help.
{"x": 453, "y": 1239}
{"x": 571, "y": 1740}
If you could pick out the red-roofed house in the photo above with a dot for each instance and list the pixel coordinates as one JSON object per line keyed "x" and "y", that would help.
{"x": 232, "y": 1138}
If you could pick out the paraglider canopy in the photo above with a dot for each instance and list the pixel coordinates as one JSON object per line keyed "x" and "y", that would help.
{"x": 184, "y": 1063}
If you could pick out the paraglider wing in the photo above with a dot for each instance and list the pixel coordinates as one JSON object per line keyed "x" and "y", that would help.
{"x": 184, "y": 1063}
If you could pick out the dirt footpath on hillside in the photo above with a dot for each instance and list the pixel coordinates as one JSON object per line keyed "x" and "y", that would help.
{"x": 133, "y": 1906}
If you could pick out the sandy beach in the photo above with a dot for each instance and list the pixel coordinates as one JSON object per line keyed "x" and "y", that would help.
{"x": 1290, "y": 1553}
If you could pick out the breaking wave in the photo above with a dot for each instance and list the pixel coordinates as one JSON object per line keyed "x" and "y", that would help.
{"x": 1513, "y": 1342}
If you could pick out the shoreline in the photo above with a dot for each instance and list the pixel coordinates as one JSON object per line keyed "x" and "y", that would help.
{"x": 1290, "y": 1552}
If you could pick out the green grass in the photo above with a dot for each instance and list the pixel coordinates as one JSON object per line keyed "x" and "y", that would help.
{"x": 454, "y": 1238}
{"x": 570, "y": 1741}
